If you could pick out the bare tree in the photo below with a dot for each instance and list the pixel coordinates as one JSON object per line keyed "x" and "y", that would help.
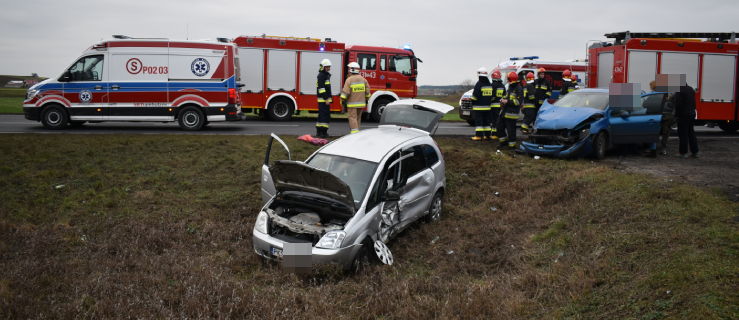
{"x": 466, "y": 85}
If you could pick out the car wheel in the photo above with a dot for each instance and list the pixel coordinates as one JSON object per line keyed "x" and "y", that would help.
{"x": 377, "y": 108}
{"x": 435, "y": 208}
{"x": 471, "y": 122}
{"x": 280, "y": 109}
{"x": 729, "y": 127}
{"x": 191, "y": 119}
{"x": 600, "y": 143}
{"x": 76, "y": 123}
{"x": 363, "y": 258}
{"x": 55, "y": 118}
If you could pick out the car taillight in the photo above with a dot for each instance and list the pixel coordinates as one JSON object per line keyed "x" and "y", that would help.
{"x": 442, "y": 152}
{"x": 232, "y": 96}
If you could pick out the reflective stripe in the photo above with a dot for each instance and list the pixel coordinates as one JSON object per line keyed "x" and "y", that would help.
{"x": 529, "y": 106}
{"x": 541, "y": 101}
{"x": 511, "y": 144}
{"x": 511, "y": 116}
{"x": 354, "y": 131}
{"x": 503, "y": 139}
{"x": 321, "y": 125}
{"x": 328, "y": 82}
{"x": 497, "y": 105}
{"x": 500, "y": 92}
{"x": 321, "y": 90}
{"x": 321, "y": 100}
{"x": 343, "y": 96}
{"x": 481, "y": 108}
{"x": 356, "y": 104}
{"x": 473, "y": 98}
{"x": 479, "y": 129}
{"x": 524, "y": 126}
{"x": 515, "y": 102}
{"x": 330, "y": 100}
{"x": 368, "y": 95}
{"x": 493, "y": 130}
{"x": 486, "y": 128}
{"x": 549, "y": 93}
{"x": 357, "y": 87}
{"x": 487, "y": 91}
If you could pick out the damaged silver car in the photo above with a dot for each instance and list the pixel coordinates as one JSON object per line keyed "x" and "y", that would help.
{"x": 352, "y": 196}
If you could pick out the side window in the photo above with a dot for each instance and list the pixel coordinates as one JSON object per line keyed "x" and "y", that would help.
{"x": 651, "y": 105}
{"x": 401, "y": 64}
{"x": 415, "y": 163}
{"x": 379, "y": 186}
{"x": 87, "y": 69}
{"x": 367, "y": 61}
{"x": 431, "y": 156}
{"x": 383, "y": 62}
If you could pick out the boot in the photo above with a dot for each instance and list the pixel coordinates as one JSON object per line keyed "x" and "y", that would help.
{"x": 325, "y": 133}
{"x": 651, "y": 154}
{"x": 494, "y": 137}
{"x": 476, "y": 138}
{"x": 318, "y": 132}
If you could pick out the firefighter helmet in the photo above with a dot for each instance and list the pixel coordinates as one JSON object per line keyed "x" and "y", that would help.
{"x": 566, "y": 74}
{"x": 574, "y": 78}
{"x": 325, "y": 63}
{"x": 482, "y": 72}
{"x": 541, "y": 70}
{"x": 512, "y": 77}
{"x": 530, "y": 76}
{"x": 496, "y": 74}
{"x": 353, "y": 67}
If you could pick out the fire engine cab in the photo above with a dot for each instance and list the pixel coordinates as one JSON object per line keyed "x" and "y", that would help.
{"x": 126, "y": 79}
{"x": 522, "y": 66}
{"x": 708, "y": 60}
{"x": 279, "y": 74}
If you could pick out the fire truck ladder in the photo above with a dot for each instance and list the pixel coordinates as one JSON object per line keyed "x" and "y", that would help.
{"x": 712, "y": 36}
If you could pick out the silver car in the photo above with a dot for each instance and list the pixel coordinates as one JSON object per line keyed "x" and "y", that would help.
{"x": 350, "y": 197}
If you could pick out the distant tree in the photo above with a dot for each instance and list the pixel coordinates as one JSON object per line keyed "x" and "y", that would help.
{"x": 466, "y": 85}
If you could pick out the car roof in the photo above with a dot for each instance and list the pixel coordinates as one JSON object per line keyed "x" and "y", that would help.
{"x": 373, "y": 144}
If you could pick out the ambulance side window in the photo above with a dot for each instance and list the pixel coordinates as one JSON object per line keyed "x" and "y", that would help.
{"x": 89, "y": 68}
{"x": 367, "y": 61}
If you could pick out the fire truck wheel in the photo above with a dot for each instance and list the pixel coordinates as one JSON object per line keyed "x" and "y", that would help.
{"x": 55, "y": 117}
{"x": 280, "y": 109}
{"x": 377, "y": 109}
{"x": 729, "y": 127}
{"x": 191, "y": 119}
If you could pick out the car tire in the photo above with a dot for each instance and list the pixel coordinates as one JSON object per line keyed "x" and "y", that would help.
{"x": 54, "y": 117}
{"x": 435, "y": 207}
{"x": 77, "y": 123}
{"x": 363, "y": 258}
{"x": 280, "y": 109}
{"x": 471, "y": 122}
{"x": 600, "y": 143}
{"x": 377, "y": 107}
{"x": 729, "y": 127}
{"x": 191, "y": 119}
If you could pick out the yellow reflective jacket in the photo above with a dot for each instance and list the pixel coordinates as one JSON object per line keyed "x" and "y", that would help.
{"x": 356, "y": 91}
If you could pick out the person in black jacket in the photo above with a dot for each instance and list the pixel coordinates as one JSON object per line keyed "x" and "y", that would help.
{"x": 529, "y": 104}
{"x": 323, "y": 91}
{"x": 543, "y": 89}
{"x": 482, "y": 96}
{"x": 685, "y": 113}
{"x": 567, "y": 85}
{"x": 511, "y": 105}
{"x": 498, "y": 93}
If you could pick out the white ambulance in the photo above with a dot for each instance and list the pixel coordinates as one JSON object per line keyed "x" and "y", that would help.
{"x": 126, "y": 79}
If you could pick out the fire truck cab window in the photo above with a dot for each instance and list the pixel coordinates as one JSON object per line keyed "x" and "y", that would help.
{"x": 87, "y": 69}
{"x": 401, "y": 64}
{"x": 367, "y": 61}
{"x": 383, "y": 62}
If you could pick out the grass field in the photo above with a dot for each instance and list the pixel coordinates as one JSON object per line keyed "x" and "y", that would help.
{"x": 159, "y": 226}
{"x": 11, "y": 105}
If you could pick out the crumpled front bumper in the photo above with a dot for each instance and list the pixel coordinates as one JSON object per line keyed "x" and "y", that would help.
{"x": 343, "y": 256}
{"x": 579, "y": 149}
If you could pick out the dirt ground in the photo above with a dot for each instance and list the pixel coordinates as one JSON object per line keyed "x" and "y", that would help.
{"x": 718, "y": 166}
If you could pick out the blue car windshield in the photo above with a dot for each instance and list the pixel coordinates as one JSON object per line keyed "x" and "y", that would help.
{"x": 595, "y": 100}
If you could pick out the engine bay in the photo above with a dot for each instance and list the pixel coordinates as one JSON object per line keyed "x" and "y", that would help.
{"x": 304, "y": 217}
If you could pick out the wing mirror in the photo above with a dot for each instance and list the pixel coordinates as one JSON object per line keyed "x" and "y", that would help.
{"x": 392, "y": 196}
{"x": 66, "y": 76}
{"x": 624, "y": 114}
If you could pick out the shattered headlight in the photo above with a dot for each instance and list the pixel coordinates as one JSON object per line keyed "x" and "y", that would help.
{"x": 261, "y": 224}
{"x": 583, "y": 133}
{"x": 331, "y": 240}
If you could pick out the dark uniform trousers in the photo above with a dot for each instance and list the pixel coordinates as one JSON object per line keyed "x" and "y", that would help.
{"x": 529, "y": 106}
{"x": 323, "y": 92}
{"x": 499, "y": 91}
{"x": 509, "y": 115}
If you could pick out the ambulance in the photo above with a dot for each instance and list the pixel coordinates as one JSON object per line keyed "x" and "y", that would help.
{"x": 522, "y": 66}
{"x": 142, "y": 80}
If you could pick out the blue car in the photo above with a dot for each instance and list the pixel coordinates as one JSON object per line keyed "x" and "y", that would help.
{"x": 582, "y": 123}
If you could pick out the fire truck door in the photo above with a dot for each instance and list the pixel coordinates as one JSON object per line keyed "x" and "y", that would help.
{"x": 605, "y": 69}
{"x": 400, "y": 70}
{"x": 86, "y": 88}
{"x": 368, "y": 64}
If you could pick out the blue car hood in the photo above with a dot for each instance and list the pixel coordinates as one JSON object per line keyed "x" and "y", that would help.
{"x": 552, "y": 117}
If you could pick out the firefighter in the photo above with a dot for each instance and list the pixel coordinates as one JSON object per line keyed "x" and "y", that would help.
{"x": 574, "y": 82}
{"x": 482, "y": 97}
{"x": 498, "y": 93}
{"x": 567, "y": 85}
{"x": 323, "y": 91}
{"x": 511, "y": 104}
{"x": 543, "y": 89}
{"x": 529, "y": 104}
{"x": 354, "y": 96}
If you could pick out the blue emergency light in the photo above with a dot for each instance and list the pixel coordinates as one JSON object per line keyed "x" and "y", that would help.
{"x": 407, "y": 47}
{"x": 525, "y": 58}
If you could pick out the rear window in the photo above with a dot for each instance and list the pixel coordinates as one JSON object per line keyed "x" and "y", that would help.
{"x": 595, "y": 100}
{"x": 412, "y": 116}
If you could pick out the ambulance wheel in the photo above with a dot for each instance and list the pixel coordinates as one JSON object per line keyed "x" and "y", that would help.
{"x": 191, "y": 119}
{"x": 280, "y": 109}
{"x": 54, "y": 117}
{"x": 377, "y": 109}
{"x": 471, "y": 122}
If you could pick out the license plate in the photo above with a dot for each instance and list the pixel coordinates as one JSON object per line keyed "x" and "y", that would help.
{"x": 275, "y": 251}
{"x": 465, "y": 113}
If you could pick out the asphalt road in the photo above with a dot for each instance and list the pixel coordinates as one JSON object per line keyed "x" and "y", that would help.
{"x": 251, "y": 126}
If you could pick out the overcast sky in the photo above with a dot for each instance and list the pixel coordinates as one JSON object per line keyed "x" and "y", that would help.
{"x": 454, "y": 38}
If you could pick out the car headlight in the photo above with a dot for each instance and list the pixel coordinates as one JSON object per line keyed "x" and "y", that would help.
{"x": 584, "y": 133}
{"x": 261, "y": 224}
{"x": 31, "y": 93}
{"x": 332, "y": 240}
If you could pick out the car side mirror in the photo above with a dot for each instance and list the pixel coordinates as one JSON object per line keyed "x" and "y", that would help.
{"x": 392, "y": 196}
{"x": 624, "y": 114}
{"x": 66, "y": 76}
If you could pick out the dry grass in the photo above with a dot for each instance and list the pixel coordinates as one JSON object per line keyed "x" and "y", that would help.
{"x": 160, "y": 226}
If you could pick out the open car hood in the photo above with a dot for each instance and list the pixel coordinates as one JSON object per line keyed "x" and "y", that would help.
{"x": 415, "y": 113}
{"x": 552, "y": 117}
{"x": 298, "y": 176}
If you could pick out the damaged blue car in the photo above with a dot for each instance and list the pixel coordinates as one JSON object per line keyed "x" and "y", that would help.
{"x": 582, "y": 124}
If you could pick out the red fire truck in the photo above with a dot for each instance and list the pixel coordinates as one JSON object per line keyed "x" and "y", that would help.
{"x": 709, "y": 61}
{"x": 279, "y": 74}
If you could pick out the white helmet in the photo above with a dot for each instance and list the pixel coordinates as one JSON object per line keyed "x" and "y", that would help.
{"x": 482, "y": 72}
{"x": 353, "y": 67}
{"x": 325, "y": 63}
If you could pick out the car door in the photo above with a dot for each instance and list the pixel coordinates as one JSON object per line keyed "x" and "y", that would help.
{"x": 86, "y": 88}
{"x": 268, "y": 185}
{"x": 418, "y": 186}
{"x": 639, "y": 125}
